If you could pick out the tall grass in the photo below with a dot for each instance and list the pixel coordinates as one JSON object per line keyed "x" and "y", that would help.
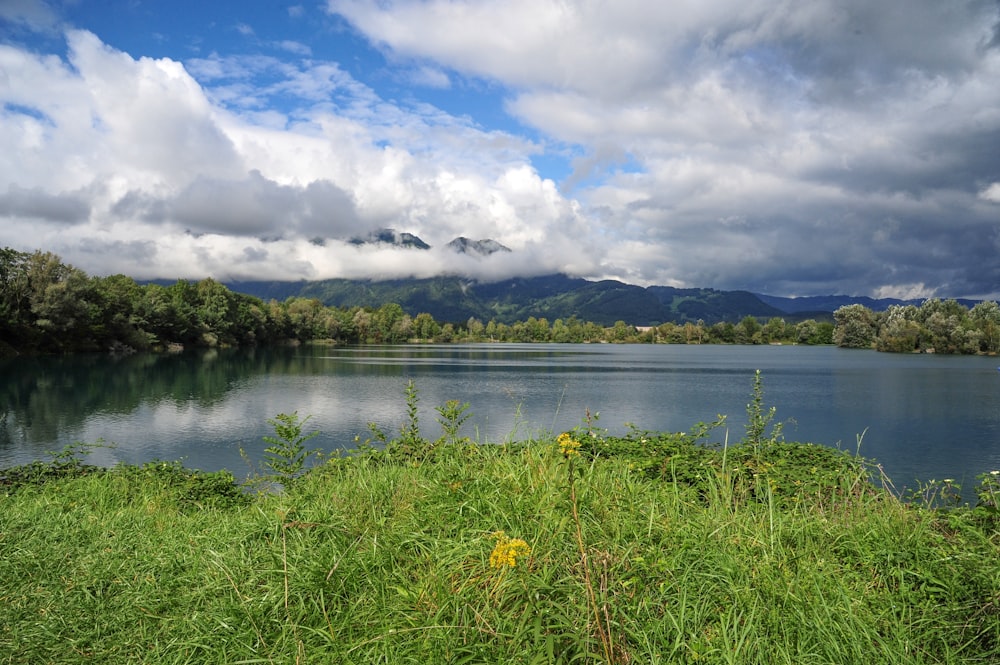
{"x": 648, "y": 548}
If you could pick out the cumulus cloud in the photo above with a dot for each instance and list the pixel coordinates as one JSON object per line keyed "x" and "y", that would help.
{"x": 783, "y": 146}
{"x": 177, "y": 179}
{"x": 794, "y": 148}
{"x": 991, "y": 193}
{"x": 36, "y": 204}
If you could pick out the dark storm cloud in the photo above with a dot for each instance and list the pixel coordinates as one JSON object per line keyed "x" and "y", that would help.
{"x": 249, "y": 207}
{"x": 254, "y": 206}
{"x": 63, "y": 208}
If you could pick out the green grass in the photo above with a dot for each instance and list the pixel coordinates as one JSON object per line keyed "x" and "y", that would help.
{"x": 663, "y": 551}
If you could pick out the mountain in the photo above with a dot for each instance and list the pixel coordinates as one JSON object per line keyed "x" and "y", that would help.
{"x": 405, "y": 240}
{"x": 809, "y": 304}
{"x": 550, "y": 296}
{"x": 484, "y": 247}
{"x": 559, "y": 296}
{"x": 391, "y": 237}
{"x": 831, "y": 303}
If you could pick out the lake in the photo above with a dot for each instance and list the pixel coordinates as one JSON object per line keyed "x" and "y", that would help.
{"x": 921, "y": 416}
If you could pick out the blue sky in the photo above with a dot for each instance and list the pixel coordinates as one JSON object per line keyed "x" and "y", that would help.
{"x": 791, "y": 148}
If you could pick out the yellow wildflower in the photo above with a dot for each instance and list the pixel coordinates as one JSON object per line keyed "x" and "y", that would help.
{"x": 568, "y": 446}
{"x": 507, "y": 550}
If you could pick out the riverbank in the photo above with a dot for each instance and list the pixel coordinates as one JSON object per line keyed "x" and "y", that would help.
{"x": 637, "y": 549}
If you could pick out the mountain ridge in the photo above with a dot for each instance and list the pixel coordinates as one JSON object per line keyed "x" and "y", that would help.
{"x": 557, "y": 296}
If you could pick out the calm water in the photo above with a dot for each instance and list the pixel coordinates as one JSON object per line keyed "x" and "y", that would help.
{"x": 922, "y": 416}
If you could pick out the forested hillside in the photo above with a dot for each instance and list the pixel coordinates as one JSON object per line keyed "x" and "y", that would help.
{"x": 457, "y": 299}
{"x": 47, "y": 306}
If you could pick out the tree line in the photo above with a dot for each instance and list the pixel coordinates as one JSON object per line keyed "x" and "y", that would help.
{"x": 936, "y": 326}
{"x": 47, "y": 306}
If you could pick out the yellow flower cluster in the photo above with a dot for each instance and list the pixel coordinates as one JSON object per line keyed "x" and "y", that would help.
{"x": 568, "y": 446}
{"x": 507, "y": 550}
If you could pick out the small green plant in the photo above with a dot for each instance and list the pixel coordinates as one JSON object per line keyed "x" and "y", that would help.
{"x": 759, "y": 419}
{"x": 452, "y": 415}
{"x": 988, "y": 491}
{"x": 68, "y": 463}
{"x": 286, "y": 456}
{"x": 934, "y": 494}
{"x": 569, "y": 448}
{"x": 410, "y": 446}
{"x": 410, "y": 433}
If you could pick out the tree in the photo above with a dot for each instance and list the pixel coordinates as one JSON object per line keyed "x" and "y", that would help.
{"x": 949, "y": 326}
{"x": 216, "y": 312}
{"x": 61, "y": 301}
{"x": 383, "y": 323}
{"x": 475, "y": 328}
{"x": 16, "y": 326}
{"x": 900, "y": 332}
{"x": 749, "y": 331}
{"x": 305, "y": 318}
{"x": 621, "y": 331}
{"x": 855, "y": 327}
{"x": 774, "y": 330}
{"x": 986, "y": 317}
{"x": 723, "y": 332}
{"x": 425, "y": 327}
{"x": 118, "y": 299}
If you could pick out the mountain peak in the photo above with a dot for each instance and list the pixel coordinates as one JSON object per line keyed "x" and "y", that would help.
{"x": 483, "y": 247}
{"x": 391, "y": 237}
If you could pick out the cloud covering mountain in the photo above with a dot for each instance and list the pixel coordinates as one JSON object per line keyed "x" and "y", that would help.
{"x": 792, "y": 148}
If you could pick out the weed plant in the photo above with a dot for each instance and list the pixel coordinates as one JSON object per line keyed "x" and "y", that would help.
{"x": 571, "y": 548}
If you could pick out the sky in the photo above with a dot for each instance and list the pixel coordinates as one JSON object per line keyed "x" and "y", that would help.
{"x": 787, "y": 147}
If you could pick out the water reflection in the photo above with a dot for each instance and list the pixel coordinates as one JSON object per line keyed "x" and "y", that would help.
{"x": 922, "y": 416}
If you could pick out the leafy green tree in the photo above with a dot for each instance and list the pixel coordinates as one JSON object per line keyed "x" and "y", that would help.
{"x": 304, "y": 317}
{"x": 425, "y": 327}
{"x": 119, "y": 300}
{"x": 723, "y": 332}
{"x": 62, "y": 302}
{"x": 774, "y": 330}
{"x": 186, "y": 326}
{"x": 749, "y": 331}
{"x": 855, "y": 327}
{"x": 900, "y": 331}
{"x": 215, "y": 309}
{"x": 363, "y": 325}
{"x": 986, "y": 317}
{"x": 621, "y": 332}
{"x": 384, "y": 324}
{"x": 16, "y": 324}
{"x": 475, "y": 328}
{"x": 491, "y": 330}
{"x": 538, "y": 329}
{"x": 252, "y": 325}
{"x": 824, "y": 333}
{"x": 447, "y": 333}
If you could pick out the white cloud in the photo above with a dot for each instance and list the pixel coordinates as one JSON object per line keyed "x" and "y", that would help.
{"x": 34, "y": 14}
{"x": 134, "y": 155}
{"x": 430, "y": 77}
{"x": 796, "y": 147}
{"x": 809, "y": 123}
{"x": 991, "y": 193}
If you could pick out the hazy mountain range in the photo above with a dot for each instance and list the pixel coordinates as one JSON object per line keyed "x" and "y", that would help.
{"x": 604, "y": 302}
{"x": 558, "y": 296}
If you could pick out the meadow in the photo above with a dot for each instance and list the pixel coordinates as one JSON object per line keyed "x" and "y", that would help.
{"x": 577, "y": 547}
